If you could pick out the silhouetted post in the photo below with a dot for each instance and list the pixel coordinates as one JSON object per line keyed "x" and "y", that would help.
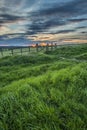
{"x": 55, "y": 45}
{"x": 51, "y": 46}
{"x": 2, "y": 52}
{"x": 47, "y": 47}
{"x": 37, "y": 47}
{"x": 29, "y": 48}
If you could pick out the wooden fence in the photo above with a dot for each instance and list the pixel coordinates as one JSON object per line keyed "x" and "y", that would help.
{"x": 4, "y": 51}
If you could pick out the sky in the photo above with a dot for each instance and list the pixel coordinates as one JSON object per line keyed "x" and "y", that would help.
{"x": 33, "y": 21}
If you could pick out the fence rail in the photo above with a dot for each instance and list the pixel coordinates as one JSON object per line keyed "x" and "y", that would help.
{"x": 5, "y": 51}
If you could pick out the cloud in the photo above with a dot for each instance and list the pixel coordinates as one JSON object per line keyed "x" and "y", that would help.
{"x": 8, "y": 18}
{"x": 81, "y": 27}
{"x": 42, "y": 37}
{"x": 65, "y": 31}
{"x": 67, "y": 9}
{"x": 57, "y": 15}
{"x": 43, "y": 26}
{"x": 78, "y": 20}
{"x": 28, "y": 18}
{"x": 84, "y": 32}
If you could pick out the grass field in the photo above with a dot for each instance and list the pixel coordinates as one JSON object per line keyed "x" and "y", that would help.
{"x": 45, "y": 91}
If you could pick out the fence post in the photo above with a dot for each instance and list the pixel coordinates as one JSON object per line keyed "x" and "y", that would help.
{"x": 29, "y": 48}
{"x": 37, "y": 47}
{"x": 21, "y": 50}
{"x": 2, "y": 52}
{"x": 51, "y": 46}
{"x": 47, "y": 48}
{"x": 55, "y": 45}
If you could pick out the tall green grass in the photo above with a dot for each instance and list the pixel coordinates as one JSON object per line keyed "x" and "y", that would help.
{"x": 55, "y": 100}
{"x": 48, "y": 94}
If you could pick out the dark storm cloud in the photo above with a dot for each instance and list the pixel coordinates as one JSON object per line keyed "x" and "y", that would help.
{"x": 43, "y": 26}
{"x": 71, "y": 8}
{"x": 78, "y": 20}
{"x": 57, "y": 15}
{"x": 6, "y": 18}
{"x": 84, "y": 32}
{"x": 49, "y": 15}
{"x": 64, "y": 31}
{"x": 81, "y": 27}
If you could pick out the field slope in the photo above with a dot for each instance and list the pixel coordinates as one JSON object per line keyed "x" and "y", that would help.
{"x": 46, "y": 91}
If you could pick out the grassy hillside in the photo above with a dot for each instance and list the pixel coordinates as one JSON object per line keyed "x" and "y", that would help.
{"x": 46, "y": 91}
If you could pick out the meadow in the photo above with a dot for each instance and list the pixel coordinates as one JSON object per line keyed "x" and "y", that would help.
{"x": 44, "y": 91}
